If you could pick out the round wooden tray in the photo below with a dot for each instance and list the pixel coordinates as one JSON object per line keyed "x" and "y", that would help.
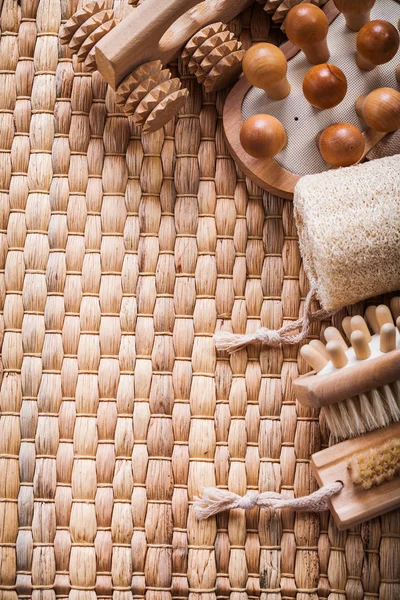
{"x": 268, "y": 173}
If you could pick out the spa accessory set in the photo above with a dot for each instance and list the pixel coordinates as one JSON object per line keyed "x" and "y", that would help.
{"x": 300, "y": 123}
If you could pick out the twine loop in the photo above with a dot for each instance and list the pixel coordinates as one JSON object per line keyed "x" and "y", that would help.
{"x": 232, "y": 342}
{"x": 215, "y": 500}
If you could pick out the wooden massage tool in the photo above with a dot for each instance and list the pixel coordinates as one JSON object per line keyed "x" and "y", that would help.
{"x": 265, "y": 67}
{"x": 131, "y": 54}
{"x": 358, "y": 389}
{"x": 356, "y": 12}
{"x": 324, "y": 87}
{"x": 377, "y": 44}
{"x": 380, "y": 109}
{"x": 263, "y": 136}
{"x": 341, "y": 144}
{"x": 307, "y": 27}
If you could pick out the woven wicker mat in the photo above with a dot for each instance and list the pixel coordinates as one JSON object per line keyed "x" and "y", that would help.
{"x": 120, "y": 256}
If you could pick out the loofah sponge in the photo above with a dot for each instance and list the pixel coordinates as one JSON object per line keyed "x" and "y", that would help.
{"x": 376, "y": 465}
{"x": 348, "y": 222}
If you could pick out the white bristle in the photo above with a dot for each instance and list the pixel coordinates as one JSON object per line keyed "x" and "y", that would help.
{"x": 353, "y": 408}
{"x": 380, "y": 408}
{"x": 391, "y": 402}
{"x": 367, "y": 413}
{"x": 374, "y": 410}
{"x": 396, "y": 392}
{"x": 334, "y": 421}
{"x": 345, "y": 419}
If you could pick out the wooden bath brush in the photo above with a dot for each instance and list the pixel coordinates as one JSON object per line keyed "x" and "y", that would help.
{"x": 358, "y": 389}
{"x": 356, "y": 385}
{"x": 368, "y": 468}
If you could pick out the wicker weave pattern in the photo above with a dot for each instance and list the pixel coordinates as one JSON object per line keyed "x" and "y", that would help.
{"x": 120, "y": 256}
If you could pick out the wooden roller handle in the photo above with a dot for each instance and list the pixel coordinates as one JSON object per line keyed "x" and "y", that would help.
{"x": 157, "y": 29}
{"x": 321, "y": 390}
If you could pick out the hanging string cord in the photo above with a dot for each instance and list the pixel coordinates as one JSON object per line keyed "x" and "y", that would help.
{"x": 231, "y": 342}
{"x": 215, "y": 500}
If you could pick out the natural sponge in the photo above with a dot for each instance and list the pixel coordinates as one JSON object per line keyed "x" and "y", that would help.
{"x": 376, "y": 465}
{"x": 348, "y": 222}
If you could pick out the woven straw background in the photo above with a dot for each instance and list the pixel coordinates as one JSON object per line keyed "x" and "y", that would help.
{"x": 120, "y": 256}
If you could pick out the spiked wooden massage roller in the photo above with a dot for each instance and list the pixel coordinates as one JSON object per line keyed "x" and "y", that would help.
{"x": 358, "y": 388}
{"x": 273, "y": 85}
{"x": 131, "y": 55}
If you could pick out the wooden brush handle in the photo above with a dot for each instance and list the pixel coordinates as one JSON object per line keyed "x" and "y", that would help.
{"x": 157, "y": 30}
{"x": 322, "y": 390}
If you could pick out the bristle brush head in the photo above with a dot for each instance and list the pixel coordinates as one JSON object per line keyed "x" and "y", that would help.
{"x": 376, "y": 465}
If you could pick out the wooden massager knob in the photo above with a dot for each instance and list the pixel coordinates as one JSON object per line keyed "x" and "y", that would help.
{"x": 263, "y": 136}
{"x": 380, "y": 109}
{"x": 377, "y": 43}
{"x": 265, "y": 67}
{"x": 324, "y": 86}
{"x": 341, "y": 144}
{"x": 356, "y": 12}
{"x": 307, "y": 27}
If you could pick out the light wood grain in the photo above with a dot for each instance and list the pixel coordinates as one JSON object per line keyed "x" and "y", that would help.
{"x": 158, "y": 30}
{"x": 356, "y": 13}
{"x": 371, "y": 374}
{"x": 354, "y": 505}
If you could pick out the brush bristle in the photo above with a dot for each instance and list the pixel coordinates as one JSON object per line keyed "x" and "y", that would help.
{"x": 370, "y": 411}
{"x": 376, "y": 465}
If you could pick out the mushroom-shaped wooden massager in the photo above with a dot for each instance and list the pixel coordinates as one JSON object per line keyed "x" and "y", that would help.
{"x": 356, "y": 12}
{"x": 307, "y": 27}
{"x": 377, "y": 43}
{"x": 324, "y": 86}
{"x": 263, "y": 136}
{"x": 265, "y": 67}
{"x": 341, "y": 144}
{"x": 380, "y": 109}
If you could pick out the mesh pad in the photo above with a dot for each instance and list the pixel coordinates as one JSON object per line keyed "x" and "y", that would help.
{"x": 302, "y": 121}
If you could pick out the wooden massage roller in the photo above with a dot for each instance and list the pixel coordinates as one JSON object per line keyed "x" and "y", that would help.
{"x": 214, "y": 56}
{"x": 132, "y": 54}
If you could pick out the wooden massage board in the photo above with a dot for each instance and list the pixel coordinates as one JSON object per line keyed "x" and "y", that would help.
{"x": 302, "y": 122}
